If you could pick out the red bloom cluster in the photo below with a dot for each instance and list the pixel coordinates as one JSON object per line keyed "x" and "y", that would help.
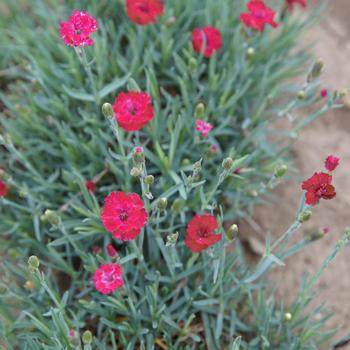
{"x": 124, "y": 215}
{"x": 3, "y": 189}
{"x": 144, "y": 11}
{"x": 318, "y": 186}
{"x": 107, "y": 278}
{"x": 133, "y": 110}
{"x": 199, "y": 233}
{"x": 331, "y": 162}
{"x": 259, "y": 14}
{"x": 291, "y": 3}
{"x": 76, "y": 31}
{"x": 90, "y": 185}
{"x": 208, "y": 39}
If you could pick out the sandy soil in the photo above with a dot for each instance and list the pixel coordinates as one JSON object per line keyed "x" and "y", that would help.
{"x": 329, "y": 135}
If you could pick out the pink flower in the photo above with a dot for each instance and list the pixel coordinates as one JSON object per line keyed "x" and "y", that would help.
{"x": 107, "y": 278}
{"x": 207, "y": 38}
{"x": 71, "y": 333}
{"x": 111, "y": 251}
{"x": 323, "y": 92}
{"x": 214, "y": 148}
{"x": 331, "y": 162}
{"x": 203, "y": 127}
{"x": 76, "y": 31}
{"x": 90, "y": 185}
{"x": 326, "y": 230}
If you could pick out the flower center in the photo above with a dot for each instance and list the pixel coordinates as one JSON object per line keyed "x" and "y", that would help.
{"x": 143, "y": 8}
{"x": 131, "y": 108}
{"x": 108, "y": 278}
{"x": 260, "y": 14}
{"x": 321, "y": 190}
{"x": 123, "y": 216}
{"x": 203, "y": 232}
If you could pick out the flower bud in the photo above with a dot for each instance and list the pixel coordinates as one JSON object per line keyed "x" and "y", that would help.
{"x": 185, "y": 162}
{"x": 252, "y": 193}
{"x": 343, "y": 93}
{"x": 28, "y": 285}
{"x": 162, "y": 204}
{"x": 199, "y": 111}
{"x": 87, "y": 337}
{"x": 197, "y": 166}
{"x": 135, "y": 172}
{"x": 287, "y": 316}
{"x": 227, "y": 163}
{"x": 107, "y": 110}
{"x": 111, "y": 251}
{"x": 177, "y": 204}
{"x": 280, "y": 170}
{"x": 232, "y": 232}
{"x": 316, "y": 70}
{"x": 138, "y": 156}
{"x": 149, "y": 180}
{"x": 304, "y": 216}
{"x": 301, "y": 95}
{"x": 170, "y": 21}
{"x": 250, "y": 52}
{"x": 33, "y": 263}
{"x": 192, "y": 64}
{"x": 51, "y": 217}
{"x": 171, "y": 239}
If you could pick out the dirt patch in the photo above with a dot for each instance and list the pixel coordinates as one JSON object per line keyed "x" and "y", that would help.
{"x": 329, "y": 135}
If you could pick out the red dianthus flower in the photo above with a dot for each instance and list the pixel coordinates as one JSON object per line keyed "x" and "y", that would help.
{"x": 318, "y": 186}
{"x": 133, "y": 110}
{"x": 207, "y": 38}
{"x": 259, "y": 14}
{"x": 144, "y": 11}
{"x": 107, "y": 278}
{"x": 90, "y": 185}
{"x": 199, "y": 233}
{"x": 76, "y": 31}
{"x": 290, "y": 3}
{"x": 124, "y": 215}
{"x": 331, "y": 162}
{"x": 3, "y": 189}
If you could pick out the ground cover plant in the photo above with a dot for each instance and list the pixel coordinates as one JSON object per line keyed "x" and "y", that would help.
{"x": 134, "y": 136}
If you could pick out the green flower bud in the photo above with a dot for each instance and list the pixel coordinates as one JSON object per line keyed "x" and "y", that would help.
{"x": 280, "y": 170}
{"x": 250, "y": 52}
{"x": 33, "y": 262}
{"x": 185, "y": 162}
{"x": 301, "y": 95}
{"x": 170, "y": 21}
{"x": 227, "y": 163}
{"x": 304, "y": 216}
{"x": 232, "y": 232}
{"x": 149, "y": 180}
{"x": 138, "y": 155}
{"x": 177, "y": 205}
{"x": 343, "y": 93}
{"x": 74, "y": 341}
{"x": 199, "y": 111}
{"x": 197, "y": 166}
{"x": 162, "y": 204}
{"x": 51, "y": 217}
{"x": 252, "y": 193}
{"x": 135, "y": 172}
{"x": 316, "y": 70}
{"x": 107, "y": 110}
{"x": 87, "y": 337}
{"x": 192, "y": 64}
{"x": 287, "y": 316}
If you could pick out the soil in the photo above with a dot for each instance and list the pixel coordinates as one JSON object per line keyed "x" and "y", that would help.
{"x": 327, "y": 135}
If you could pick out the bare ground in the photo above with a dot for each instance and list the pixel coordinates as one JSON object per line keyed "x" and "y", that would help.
{"x": 329, "y": 135}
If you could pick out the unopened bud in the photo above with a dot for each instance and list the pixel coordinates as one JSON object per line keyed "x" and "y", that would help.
{"x": 287, "y": 316}
{"x": 171, "y": 239}
{"x": 227, "y": 163}
{"x": 51, "y": 217}
{"x": 185, "y": 162}
{"x": 197, "y": 166}
{"x": 250, "y": 52}
{"x": 301, "y": 95}
{"x": 111, "y": 251}
{"x": 87, "y": 337}
{"x": 252, "y": 193}
{"x": 192, "y": 64}
{"x": 304, "y": 216}
{"x": 149, "y": 180}
{"x": 316, "y": 70}
{"x": 162, "y": 204}
{"x": 281, "y": 170}
{"x": 33, "y": 263}
{"x": 74, "y": 341}
{"x": 232, "y": 232}
{"x": 200, "y": 109}
{"x": 343, "y": 93}
{"x": 170, "y": 21}
{"x": 135, "y": 172}
{"x": 177, "y": 204}
{"x": 107, "y": 110}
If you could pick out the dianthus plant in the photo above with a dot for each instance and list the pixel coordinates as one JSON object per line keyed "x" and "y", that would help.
{"x": 134, "y": 136}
